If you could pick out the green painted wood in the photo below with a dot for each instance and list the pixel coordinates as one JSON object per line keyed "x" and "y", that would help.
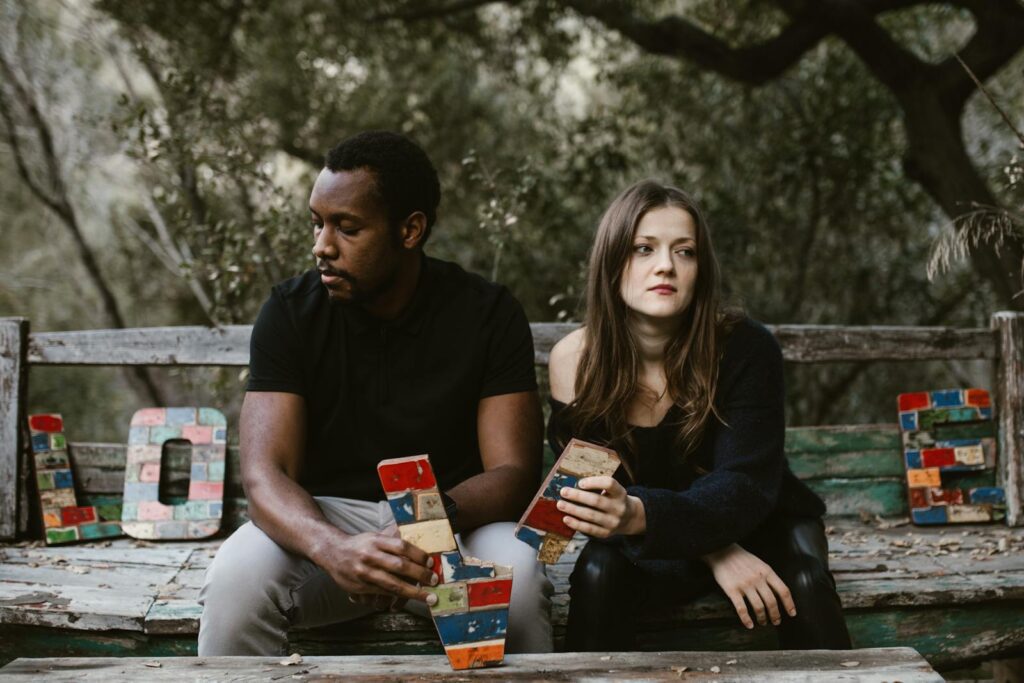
{"x": 864, "y": 464}
{"x": 851, "y": 497}
{"x": 948, "y": 638}
{"x": 844, "y": 438}
{"x": 35, "y": 641}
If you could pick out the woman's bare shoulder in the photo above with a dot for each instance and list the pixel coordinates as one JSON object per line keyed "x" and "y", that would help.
{"x": 562, "y": 363}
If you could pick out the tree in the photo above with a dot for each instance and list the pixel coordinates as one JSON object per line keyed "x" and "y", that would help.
{"x": 931, "y": 96}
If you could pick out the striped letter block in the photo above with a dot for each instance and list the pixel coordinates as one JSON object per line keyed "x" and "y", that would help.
{"x": 143, "y": 515}
{"x": 471, "y": 613}
{"x": 64, "y": 520}
{"x": 543, "y": 525}
{"x": 949, "y": 449}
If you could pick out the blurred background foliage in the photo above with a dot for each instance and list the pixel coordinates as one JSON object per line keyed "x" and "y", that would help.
{"x": 184, "y": 138}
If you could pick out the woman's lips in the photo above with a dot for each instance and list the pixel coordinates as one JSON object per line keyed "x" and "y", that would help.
{"x": 663, "y": 289}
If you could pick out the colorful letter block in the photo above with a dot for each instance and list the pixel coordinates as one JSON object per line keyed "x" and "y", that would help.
{"x": 64, "y": 520}
{"x": 542, "y": 525}
{"x": 471, "y": 612}
{"x": 949, "y": 453}
{"x": 143, "y": 515}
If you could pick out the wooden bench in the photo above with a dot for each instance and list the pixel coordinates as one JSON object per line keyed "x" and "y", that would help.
{"x": 956, "y": 593}
{"x": 875, "y": 665}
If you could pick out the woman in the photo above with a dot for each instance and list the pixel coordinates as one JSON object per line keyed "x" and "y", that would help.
{"x": 692, "y": 399}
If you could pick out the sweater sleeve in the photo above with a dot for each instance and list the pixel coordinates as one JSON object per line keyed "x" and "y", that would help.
{"x": 741, "y": 489}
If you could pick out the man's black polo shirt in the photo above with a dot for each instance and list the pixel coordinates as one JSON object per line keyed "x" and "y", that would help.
{"x": 377, "y": 390}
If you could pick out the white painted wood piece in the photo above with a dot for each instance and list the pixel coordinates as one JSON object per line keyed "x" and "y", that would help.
{"x": 13, "y": 462}
{"x": 1009, "y": 405}
{"x": 878, "y": 664}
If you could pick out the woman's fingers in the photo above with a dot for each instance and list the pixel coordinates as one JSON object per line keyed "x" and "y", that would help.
{"x": 736, "y": 598}
{"x": 782, "y": 590}
{"x": 592, "y": 500}
{"x": 770, "y": 603}
{"x": 757, "y": 605}
{"x": 598, "y": 483}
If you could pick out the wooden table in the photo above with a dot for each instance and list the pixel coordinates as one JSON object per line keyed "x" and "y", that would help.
{"x": 878, "y": 664}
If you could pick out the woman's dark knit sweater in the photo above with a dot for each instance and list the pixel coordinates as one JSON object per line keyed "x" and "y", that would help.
{"x": 747, "y": 481}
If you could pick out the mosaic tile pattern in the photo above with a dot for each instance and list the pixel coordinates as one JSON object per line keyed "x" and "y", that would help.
{"x": 542, "y": 524}
{"x": 64, "y": 520}
{"x": 949, "y": 451}
{"x": 143, "y": 515}
{"x": 471, "y": 614}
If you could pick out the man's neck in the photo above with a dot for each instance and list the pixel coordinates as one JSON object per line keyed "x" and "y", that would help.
{"x": 392, "y": 303}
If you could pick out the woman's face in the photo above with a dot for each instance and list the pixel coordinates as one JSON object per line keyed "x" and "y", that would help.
{"x": 661, "y": 273}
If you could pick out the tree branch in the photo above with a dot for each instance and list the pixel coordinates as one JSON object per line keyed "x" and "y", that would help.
{"x": 424, "y": 11}
{"x": 998, "y": 37}
{"x": 674, "y": 36}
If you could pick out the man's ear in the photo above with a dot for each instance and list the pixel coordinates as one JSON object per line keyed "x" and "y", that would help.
{"x": 413, "y": 230}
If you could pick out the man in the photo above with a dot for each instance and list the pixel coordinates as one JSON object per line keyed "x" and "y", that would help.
{"x": 380, "y": 352}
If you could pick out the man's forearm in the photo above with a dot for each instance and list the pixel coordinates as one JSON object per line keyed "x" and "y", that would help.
{"x": 287, "y": 513}
{"x": 498, "y": 495}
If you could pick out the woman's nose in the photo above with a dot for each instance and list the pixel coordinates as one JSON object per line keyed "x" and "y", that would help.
{"x": 664, "y": 264}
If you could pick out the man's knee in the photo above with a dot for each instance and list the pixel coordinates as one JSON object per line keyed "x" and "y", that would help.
{"x": 246, "y": 572}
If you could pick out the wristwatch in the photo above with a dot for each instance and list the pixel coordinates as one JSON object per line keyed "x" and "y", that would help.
{"x": 451, "y": 508}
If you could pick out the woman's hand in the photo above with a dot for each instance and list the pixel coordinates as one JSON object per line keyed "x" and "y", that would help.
{"x": 743, "y": 575}
{"x": 602, "y": 508}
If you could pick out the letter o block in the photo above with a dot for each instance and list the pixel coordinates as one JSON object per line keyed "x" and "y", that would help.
{"x": 143, "y": 515}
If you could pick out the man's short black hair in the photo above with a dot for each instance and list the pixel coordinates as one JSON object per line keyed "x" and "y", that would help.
{"x": 406, "y": 180}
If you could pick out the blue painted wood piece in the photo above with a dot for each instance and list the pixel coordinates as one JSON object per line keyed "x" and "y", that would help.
{"x": 472, "y": 627}
{"x": 913, "y": 460}
{"x": 181, "y": 416}
{"x": 402, "y": 508}
{"x": 987, "y": 494}
{"x": 138, "y": 491}
{"x": 932, "y": 515}
{"x": 530, "y": 536}
{"x": 908, "y": 421}
{"x": 947, "y": 398}
{"x": 62, "y": 479}
{"x": 455, "y": 570}
{"x": 559, "y": 480}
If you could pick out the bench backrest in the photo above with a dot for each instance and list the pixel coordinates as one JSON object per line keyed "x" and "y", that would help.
{"x": 857, "y": 469}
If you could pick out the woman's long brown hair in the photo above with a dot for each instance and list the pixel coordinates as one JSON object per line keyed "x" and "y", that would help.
{"x": 608, "y": 370}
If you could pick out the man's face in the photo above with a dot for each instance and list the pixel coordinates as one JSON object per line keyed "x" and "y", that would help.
{"x": 356, "y": 249}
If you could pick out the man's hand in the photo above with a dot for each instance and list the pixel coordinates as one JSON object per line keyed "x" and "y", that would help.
{"x": 602, "y": 508}
{"x": 744, "y": 576}
{"x": 377, "y": 564}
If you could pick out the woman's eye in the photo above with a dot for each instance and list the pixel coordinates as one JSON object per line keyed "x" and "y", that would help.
{"x": 686, "y": 252}
{"x": 642, "y": 249}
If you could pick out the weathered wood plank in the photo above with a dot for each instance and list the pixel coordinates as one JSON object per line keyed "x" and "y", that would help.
{"x": 871, "y": 665}
{"x": 1009, "y": 400}
{"x": 122, "y": 552}
{"x": 885, "y": 497}
{"x": 77, "y": 607}
{"x": 854, "y": 464}
{"x": 229, "y": 345}
{"x": 13, "y": 339}
{"x": 843, "y": 438}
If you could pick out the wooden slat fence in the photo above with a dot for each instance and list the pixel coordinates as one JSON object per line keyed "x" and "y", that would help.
{"x": 1003, "y": 342}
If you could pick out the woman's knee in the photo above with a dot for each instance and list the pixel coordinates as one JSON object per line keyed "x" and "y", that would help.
{"x": 600, "y": 569}
{"x": 808, "y": 579}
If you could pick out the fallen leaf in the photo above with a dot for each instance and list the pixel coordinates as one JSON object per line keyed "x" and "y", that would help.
{"x": 78, "y": 570}
{"x": 296, "y": 658}
{"x": 152, "y": 665}
{"x": 730, "y": 662}
{"x": 715, "y": 669}
{"x": 850, "y": 664}
{"x": 679, "y": 670}
{"x": 606, "y": 658}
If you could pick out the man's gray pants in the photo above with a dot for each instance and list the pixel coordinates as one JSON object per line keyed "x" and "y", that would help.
{"x": 255, "y": 591}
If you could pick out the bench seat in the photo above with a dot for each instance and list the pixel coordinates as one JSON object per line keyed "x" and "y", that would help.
{"x": 141, "y": 598}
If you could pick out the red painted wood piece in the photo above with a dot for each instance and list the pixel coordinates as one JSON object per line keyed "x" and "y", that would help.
{"x": 544, "y": 515}
{"x": 919, "y": 497}
{"x": 947, "y": 496}
{"x": 484, "y": 593}
{"x": 205, "y": 490}
{"x": 938, "y": 457}
{"x": 70, "y": 516}
{"x": 402, "y": 476}
{"x": 914, "y": 401}
{"x": 45, "y": 423}
{"x": 979, "y": 398}
{"x": 437, "y": 568}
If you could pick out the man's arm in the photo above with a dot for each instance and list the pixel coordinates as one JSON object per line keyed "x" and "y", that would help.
{"x": 510, "y": 430}
{"x": 273, "y": 427}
